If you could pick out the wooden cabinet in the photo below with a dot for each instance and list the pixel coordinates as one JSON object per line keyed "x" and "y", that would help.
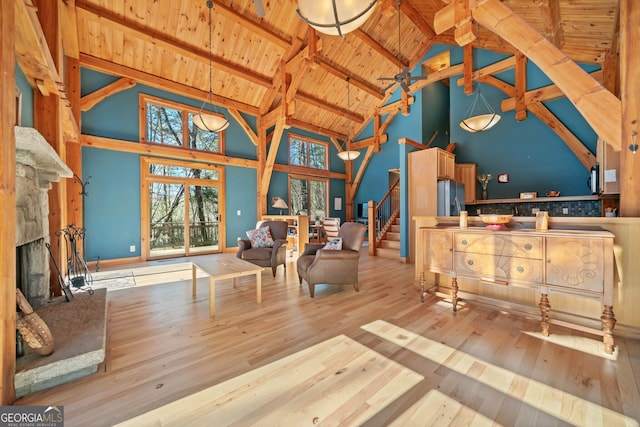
{"x": 298, "y": 234}
{"x": 467, "y": 173}
{"x": 446, "y": 164}
{"x": 574, "y": 263}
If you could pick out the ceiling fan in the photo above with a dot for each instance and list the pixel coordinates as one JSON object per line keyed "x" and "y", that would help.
{"x": 404, "y": 76}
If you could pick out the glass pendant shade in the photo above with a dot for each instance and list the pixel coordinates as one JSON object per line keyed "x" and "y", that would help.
{"x": 480, "y": 122}
{"x": 474, "y": 122}
{"x": 210, "y": 122}
{"x": 335, "y": 17}
{"x": 347, "y": 155}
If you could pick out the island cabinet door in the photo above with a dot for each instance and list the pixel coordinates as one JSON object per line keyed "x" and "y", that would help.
{"x": 576, "y": 263}
{"x": 439, "y": 250}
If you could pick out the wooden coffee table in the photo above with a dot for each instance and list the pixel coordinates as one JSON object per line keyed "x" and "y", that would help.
{"x": 220, "y": 267}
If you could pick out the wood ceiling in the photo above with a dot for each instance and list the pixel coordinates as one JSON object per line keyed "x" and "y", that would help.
{"x": 253, "y": 56}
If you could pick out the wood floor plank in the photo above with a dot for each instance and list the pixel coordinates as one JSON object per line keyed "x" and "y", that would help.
{"x": 479, "y": 366}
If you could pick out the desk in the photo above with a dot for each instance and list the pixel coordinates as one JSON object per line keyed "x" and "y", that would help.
{"x": 220, "y": 267}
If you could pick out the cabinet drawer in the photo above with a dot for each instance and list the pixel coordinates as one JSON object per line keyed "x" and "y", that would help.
{"x": 499, "y": 244}
{"x": 498, "y": 267}
{"x": 576, "y": 263}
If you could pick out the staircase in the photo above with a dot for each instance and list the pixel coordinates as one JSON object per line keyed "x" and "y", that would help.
{"x": 389, "y": 244}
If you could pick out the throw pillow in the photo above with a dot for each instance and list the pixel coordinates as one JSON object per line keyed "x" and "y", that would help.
{"x": 260, "y": 237}
{"x": 334, "y": 244}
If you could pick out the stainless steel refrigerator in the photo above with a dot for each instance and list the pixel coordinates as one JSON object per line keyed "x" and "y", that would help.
{"x": 450, "y": 198}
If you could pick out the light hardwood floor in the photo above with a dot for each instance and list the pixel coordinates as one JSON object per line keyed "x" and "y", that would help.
{"x": 479, "y": 366}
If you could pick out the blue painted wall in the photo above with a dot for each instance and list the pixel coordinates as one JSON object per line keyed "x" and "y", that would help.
{"x": 112, "y": 211}
{"x": 27, "y": 98}
{"x": 535, "y": 158}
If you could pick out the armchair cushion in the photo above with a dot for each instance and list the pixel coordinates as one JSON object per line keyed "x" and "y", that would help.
{"x": 334, "y": 244}
{"x": 260, "y": 237}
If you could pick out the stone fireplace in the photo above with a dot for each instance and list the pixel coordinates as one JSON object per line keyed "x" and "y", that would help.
{"x": 37, "y": 166}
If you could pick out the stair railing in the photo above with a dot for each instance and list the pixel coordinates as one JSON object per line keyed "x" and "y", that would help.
{"x": 382, "y": 215}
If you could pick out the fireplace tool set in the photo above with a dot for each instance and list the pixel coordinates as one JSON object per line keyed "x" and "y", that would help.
{"x": 78, "y": 276}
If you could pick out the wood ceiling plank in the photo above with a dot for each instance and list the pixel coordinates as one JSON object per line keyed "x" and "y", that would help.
{"x": 376, "y": 47}
{"x": 137, "y": 33}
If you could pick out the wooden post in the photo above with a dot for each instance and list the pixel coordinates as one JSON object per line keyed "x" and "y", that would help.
{"x": 630, "y": 87}
{"x": 7, "y": 202}
{"x": 47, "y": 120}
{"x": 372, "y": 227}
{"x": 75, "y": 200}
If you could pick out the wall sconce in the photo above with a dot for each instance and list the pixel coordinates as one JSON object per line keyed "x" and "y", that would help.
{"x": 634, "y": 142}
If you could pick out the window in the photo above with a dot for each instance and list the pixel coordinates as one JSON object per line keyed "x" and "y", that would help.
{"x": 169, "y": 123}
{"x": 307, "y": 152}
{"x": 308, "y": 196}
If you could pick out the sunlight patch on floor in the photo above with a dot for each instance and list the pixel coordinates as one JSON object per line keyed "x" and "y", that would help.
{"x": 583, "y": 344}
{"x": 338, "y": 380}
{"x": 562, "y": 405}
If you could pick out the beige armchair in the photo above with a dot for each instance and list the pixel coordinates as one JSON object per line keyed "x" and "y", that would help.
{"x": 333, "y": 267}
{"x": 267, "y": 257}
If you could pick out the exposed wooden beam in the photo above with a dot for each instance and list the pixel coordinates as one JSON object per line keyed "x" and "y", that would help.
{"x": 316, "y": 129}
{"x": 251, "y": 25}
{"x": 299, "y": 170}
{"x": 8, "y": 198}
{"x": 366, "y": 142}
{"x": 416, "y": 18}
{"x": 467, "y": 78}
{"x": 630, "y": 88}
{"x": 69, "y": 26}
{"x": 433, "y": 77}
{"x": 543, "y": 94}
{"x": 139, "y": 32}
{"x": 552, "y": 21}
{"x": 37, "y": 63}
{"x": 253, "y": 137}
{"x": 271, "y": 158}
{"x": 162, "y": 83}
{"x": 159, "y": 150}
{"x": 521, "y": 86}
{"x": 582, "y": 153}
{"x": 89, "y": 101}
{"x": 495, "y": 68}
{"x": 600, "y": 108}
{"x": 363, "y": 167}
{"x": 377, "y": 47}
{"x": 342, "y": 75}
{"x": 394, "y": 107}
{"x": 319, "y": 103}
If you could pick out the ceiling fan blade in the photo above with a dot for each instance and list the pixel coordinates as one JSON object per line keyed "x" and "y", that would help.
{"x": 388, "y": 87}
{"x": 386, "y": 78}
{"x": 259, "y": 8}
{"x": 405, "y": 87}
{"x": 417, "y": 77}
{"x": 405, "y": 71}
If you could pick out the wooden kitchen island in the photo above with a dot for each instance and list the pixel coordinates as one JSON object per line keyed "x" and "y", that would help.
{"x": 575, "y": 263}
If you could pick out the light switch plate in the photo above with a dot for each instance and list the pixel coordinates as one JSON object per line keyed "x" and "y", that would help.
{"x": 610, "y": 175}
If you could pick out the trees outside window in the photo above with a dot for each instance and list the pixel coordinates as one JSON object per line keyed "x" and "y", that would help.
{"x": 307, "y": 152}
{"x": 170, "y": 123}
{"x": 308, "y": 196}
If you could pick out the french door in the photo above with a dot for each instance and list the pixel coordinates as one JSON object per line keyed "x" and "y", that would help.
{"x": 183, "y": 206}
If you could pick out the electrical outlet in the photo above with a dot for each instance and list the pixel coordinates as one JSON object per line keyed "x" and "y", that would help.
{"x": 535, "y": 211}
{"x": 478, "y": 211}
{"x": 132, "y": 248}
{"x": 565, "y": 211}
{"x": 239, "y": 212}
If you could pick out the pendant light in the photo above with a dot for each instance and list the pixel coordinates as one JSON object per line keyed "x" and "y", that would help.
{"x": 335, "y": 17}
{"x": 348, "y": 154}
{"x": 205, "y": 120}
{"x": 483, "y": 119}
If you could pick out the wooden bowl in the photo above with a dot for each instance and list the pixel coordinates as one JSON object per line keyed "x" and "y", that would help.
{"x": 495, "y": 220}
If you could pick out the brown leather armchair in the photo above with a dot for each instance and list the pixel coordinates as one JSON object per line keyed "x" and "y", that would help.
{"x": 267, "y": 257}
{"x": 333, "y": 267}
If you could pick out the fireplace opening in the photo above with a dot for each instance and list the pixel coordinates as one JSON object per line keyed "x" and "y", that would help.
{"x": 32, "y": 272}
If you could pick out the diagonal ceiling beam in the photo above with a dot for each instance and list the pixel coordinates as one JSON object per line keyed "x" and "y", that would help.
{"x": 342, "y": 75}
{"x": 377, "y": 47}
{"x": 599, "y": 107}
{"x": 145, "y": 34}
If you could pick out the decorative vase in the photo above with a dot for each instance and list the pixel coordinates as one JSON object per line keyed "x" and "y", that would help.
{"x": 485, "y": 195}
